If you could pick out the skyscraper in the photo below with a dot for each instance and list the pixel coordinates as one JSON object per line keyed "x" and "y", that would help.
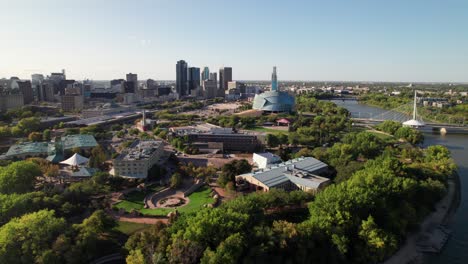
{"x": 193, "y": 79}
{"x": 213, "y": 76}
{"x": 181, "y": 78}
{"x": 210, "y": 88}
{"x": 36, "y": 82}
{"x": 205, "y": 74}
{"x": 225, "y": 76}
{"x": 132, "y": 83}
{"x": 274, "y": 80}
{"x": 25, "y": 88}
{"x": 132, "y": 77}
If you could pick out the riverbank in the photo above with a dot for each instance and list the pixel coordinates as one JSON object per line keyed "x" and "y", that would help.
{"x": 444, "y": 211}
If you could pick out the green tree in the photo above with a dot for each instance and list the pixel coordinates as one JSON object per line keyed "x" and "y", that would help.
{"x": 229, "y": 251}
{"x": 282, "y": 139}
{"x": 24, "y": 239}
{"x": 120, "y": 134}
{"x": 149, "y": 245}
{"x": 176, "y": 180}
{"x": 16, "y": 131}
{"x": 46, "y": 135}
{"x": 88, "y": 236}
{"x": 303, "y": 152}
{"x": 410, "y": 134}
{"x": 389, "y": 126}
{"x": 378, "y": 243}
{"x": 272, "y": 140}
{"x": 14, "y": 205}
{"x": 29, "y": 124}
{"x": 18, "y": 177}
{"x": 5, "y": 131}
{"x": 230, "y": 170}
{"x": 135, "y": 257}
{"x": 98, "y": 157}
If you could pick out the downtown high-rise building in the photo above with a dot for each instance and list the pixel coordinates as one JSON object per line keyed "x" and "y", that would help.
{"x": 131, "y": 85}
{"x": 132, "y": 77}
{"x": 37, "y": 81}
{"x": 205, "y": 75}
{"x": 181, "y": 78}
{"x": 210, "y": 89}
{"x": 225, "y": 76}
{"x": 193, "y": 79}
{"x": 213, "y": 76}
{"x": 25, "y": 88}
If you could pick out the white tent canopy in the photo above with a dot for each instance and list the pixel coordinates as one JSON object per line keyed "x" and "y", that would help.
{"x": 75, "y": 160}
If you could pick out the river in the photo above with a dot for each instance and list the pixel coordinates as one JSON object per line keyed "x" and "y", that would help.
{"x": 456, "y": 249}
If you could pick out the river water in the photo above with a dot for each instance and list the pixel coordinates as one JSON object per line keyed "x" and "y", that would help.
{"x": 456, "y": 249}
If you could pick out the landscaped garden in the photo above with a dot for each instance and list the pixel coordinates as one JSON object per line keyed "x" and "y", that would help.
{"x": 135, "y": 199}
{"x": 196, "y": 201}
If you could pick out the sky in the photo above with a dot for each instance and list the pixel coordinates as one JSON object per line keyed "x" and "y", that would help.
{"x": 328, "y": 40}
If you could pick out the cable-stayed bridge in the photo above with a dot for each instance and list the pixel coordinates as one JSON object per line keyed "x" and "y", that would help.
{"x": 407, "y": 114}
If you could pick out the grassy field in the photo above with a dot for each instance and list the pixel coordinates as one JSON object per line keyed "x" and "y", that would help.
{"x": 134, "y": 200}
{"x": 130, "y": 228}
{"x": 197, "y": 200}
{"x": 268, "y": 130}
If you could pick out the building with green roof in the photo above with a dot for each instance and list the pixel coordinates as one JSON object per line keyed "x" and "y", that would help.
{"x": 53, "y": 151}
{"x": 79, "y": 141}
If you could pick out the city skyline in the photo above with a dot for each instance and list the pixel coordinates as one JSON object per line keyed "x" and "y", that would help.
{"x": 420, "y": 41}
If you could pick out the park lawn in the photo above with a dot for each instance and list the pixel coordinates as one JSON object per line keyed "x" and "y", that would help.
{"x": 129, "y": 228}
{"x": 268, "y": 130}
{"x": 197, "y": 200}
{"x": 135, "y": 199}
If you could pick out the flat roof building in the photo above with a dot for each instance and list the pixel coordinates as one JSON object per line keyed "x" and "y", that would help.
{"x": 72, "y": 102}
{"x": 210, "y": 136}
{"x": 291, "y": 175}
{"x": 137, "y": 159}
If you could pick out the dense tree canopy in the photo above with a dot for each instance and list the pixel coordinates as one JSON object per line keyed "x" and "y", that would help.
{"x": 230, "y": 170}
{"x": 25, "y": 239}
{"x": 18, "y": 177}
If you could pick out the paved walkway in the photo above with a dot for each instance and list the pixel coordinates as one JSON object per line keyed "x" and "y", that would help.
{"x": 139, "y": 219}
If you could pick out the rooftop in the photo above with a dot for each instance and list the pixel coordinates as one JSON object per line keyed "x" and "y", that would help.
{"x": 267, "y": 155}
{"x": 79, "y": 141}
{"x": 38, "y": 148}
{"x": 140, "y": 150}
{"x": 308, "y": 164}
{"x": 299, "y": 171}
{"x": 202, "y": 128}
{"x": 101, "y": 119}
{"x": 29, "y": 147}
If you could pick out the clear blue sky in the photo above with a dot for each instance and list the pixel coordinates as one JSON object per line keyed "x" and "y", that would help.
{"x": 375, "y": 40}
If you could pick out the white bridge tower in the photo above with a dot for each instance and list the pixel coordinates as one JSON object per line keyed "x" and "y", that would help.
{"x": 414, "y": 122}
